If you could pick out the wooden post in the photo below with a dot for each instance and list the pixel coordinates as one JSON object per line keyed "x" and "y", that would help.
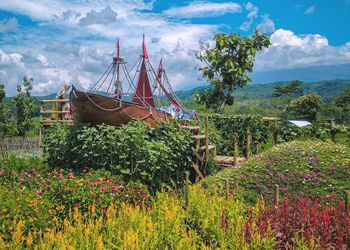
{"x": 227, "y": 184}
{"x": 249, "y": 139}
{"x": 332, "y": 131}
{"x": 40, "y": 149}
{"x": 257, "y": 144}
{"x": 347, "y": 200}
{"x": 235, "y": 149}
{"x": 277, "y": 195}
{"x": 274, "y": 137}
{"x": 206, "y": 137}
{"x": 187, "y": 180}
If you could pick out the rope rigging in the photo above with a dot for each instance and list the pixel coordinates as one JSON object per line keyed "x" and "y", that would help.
{"x": 144, "y": 91}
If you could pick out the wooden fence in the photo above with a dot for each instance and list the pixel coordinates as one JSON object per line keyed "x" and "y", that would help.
{"x": 21, "y": 146}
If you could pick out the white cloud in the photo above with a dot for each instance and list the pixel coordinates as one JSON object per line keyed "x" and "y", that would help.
{"x": 252, "y": 14}
{"x": 105, "y": 16}
{"x": 266, "y": 25}
{"x": 7, "y": 60}
{"x": 290, "y": 51}
{"x": 59, "y": 49}
{"x": 310, "y": 10}
{"x": 203, "y": 9}
{"x": 42, "y": 59}
{"x": 253, "y": 10}
{"x": 10, "y": 24}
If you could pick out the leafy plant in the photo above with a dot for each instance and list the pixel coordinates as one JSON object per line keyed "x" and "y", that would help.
{"x": 292, "y": 88}
{"x": 226, "y": 126}
{"x": 156, "y": 157}
{"x": 226, "y": 66}
{"x": 5, "y": 113}
{"x": 24, "y": 105}
{"x": 307, "y": 106}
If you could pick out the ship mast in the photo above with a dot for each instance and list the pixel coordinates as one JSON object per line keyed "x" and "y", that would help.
{"x": 116, "y": 61}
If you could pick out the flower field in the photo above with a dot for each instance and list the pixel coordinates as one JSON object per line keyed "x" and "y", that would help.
{"x": 313, "y": 168}
{"x": 45, "y": 208}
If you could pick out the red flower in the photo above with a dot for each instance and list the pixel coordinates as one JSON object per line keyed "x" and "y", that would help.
{"x": 78, "y": 205}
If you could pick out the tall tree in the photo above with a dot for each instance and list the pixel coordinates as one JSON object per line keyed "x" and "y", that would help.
{"x": 343, "y": 102}
{"x": 291, "y": 89}
{"x": 5, "y": 113}
{"x": 226, "y": 65}
{"x": 306, "y": 106}
{"x": 24, "y": 105}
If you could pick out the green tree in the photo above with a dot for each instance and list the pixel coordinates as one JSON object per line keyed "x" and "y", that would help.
{"x": 306, "y": 106}
{"x": 24, "y": 106}
{"x": 291, "y": 89}
{"x": 343, "y": 103}
{"x": 226, "y": 66}
{"x": 5, "y": 113}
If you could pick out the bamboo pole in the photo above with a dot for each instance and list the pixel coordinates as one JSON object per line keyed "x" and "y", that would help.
{"x": 277, "y": 195}
{"x": 227, "y": 185}
{"x": 187, "y": 181}
{"x": 235, "y": 149}
{"x": 206, "y": 137}
{"x": 274, "y": 135}
{"x": 249, "y": 139}
{"x": 332, "y": 132}
{"x": 257, "y": 144}
{"x": 347, "y": 200}
{"x": 40, "y": 149}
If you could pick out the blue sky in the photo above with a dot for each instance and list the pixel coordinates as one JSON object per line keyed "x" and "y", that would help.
{"x": 73, "y": 41}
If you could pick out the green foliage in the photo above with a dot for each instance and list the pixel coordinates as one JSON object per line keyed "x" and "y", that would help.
{"x": 156, "y": 157}
{"x": 343, "y": 102}
{"x": 291, "y": 89}
{"x": 226, "y": 126}
{"x": 226, "y": 66}
{"x": 24, "y": 106}
{"x": 309, "y": 167}
{"x": 307, "y": 106}
{"x": 5, "y": 113}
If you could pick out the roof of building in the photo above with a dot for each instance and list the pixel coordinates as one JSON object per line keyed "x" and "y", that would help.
{"x": 299, "y": 123}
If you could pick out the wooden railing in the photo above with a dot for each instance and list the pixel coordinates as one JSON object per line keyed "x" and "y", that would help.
{"x": 51, "y": 116}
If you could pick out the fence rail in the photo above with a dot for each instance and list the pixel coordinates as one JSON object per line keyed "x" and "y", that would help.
{"x": 20, "y": 146}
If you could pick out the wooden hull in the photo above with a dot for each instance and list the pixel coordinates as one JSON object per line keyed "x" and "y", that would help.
{"x": 96, "y": 109}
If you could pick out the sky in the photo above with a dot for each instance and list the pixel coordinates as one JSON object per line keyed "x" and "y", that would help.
{"x": 73, "y": 40}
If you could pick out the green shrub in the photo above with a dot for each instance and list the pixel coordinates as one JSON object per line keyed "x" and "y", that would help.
{"x": 223, "y": 128}
{"x": 157, "y": 157}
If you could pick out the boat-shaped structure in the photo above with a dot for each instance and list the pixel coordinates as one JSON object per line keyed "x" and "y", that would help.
{"x": 96, "y": 109}
{"x": 113, "y": 106}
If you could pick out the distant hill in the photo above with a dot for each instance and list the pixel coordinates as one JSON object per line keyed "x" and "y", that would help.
{"x": 328, "y": 90}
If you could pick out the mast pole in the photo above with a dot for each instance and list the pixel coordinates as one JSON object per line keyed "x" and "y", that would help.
{"x": 117, "y": 66}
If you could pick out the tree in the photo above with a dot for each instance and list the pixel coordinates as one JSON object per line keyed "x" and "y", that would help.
{"x": 5, "y": 113}
{"x": 24, "y": 106}
{"x": 306, "y": 106}
{"x": 343, "y": 103}
{"x": 291, "y": 89}
{"x": 226, "y": 66}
